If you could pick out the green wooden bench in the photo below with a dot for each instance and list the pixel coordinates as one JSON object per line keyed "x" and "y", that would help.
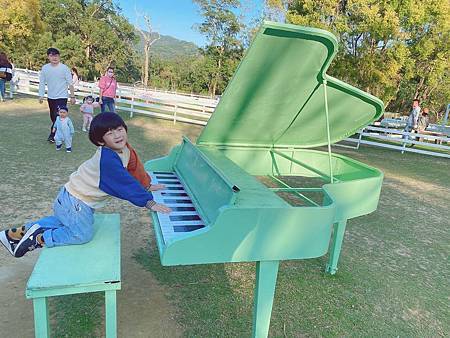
{"x": 66, "y": 270}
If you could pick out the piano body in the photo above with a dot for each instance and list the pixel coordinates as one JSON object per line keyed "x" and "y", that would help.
{"x": 279, "y": 104}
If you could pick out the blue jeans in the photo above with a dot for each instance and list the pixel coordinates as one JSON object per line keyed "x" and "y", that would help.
{"x": 108, "y": 105}
{"x": 72, "y": 222}
{"x": 2, "y": 89}
{"x": 408, "y": 129}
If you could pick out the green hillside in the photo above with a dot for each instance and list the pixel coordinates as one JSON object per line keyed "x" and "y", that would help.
{"x": 168, "y": 47}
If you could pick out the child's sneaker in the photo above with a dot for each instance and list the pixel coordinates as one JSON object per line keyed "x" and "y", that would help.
{"x": 84, "y": 129}
{"x": 68, "y": 150}
{"x": 9, "y": 243}
{"x": 58, "y": 146}
{"x": 29, "y": 241}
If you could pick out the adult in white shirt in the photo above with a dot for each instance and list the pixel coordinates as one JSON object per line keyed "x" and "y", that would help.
{"x": 58, "y": 78}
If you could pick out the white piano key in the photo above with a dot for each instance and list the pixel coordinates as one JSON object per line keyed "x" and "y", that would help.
{"x": 181, "y": 223}
{"x": 168, "y": 226}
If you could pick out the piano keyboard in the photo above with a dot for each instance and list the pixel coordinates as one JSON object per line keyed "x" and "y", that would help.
{"x": 183, "y": 218}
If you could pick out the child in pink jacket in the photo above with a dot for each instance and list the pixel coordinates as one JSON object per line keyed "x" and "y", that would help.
{"x": 87, "y": 108}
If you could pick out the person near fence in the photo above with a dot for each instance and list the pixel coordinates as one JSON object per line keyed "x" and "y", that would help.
{"x": 87, "y": 109}
{"x": 63, "y": 129}
{"x": 411, "y": 123}
{"x": 108, "y": 88}
{"x": 114, "y": 170}
{"x": 14, "y": 81}
{"x": 423, "y": 122}
{"x": 58, "y": 78}
{"x": 6, "y": 72}
{"x": 75, "y": 77}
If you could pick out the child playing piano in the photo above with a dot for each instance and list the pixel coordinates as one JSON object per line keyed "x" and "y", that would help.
{"x": 114, "y": 170}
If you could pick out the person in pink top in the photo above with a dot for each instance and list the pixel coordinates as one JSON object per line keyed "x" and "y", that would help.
{"x": 108, "y": 88}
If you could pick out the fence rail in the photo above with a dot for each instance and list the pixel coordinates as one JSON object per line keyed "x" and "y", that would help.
{"x": 198, "y": 110}
{"x": 166, "y": 105}
{"x": 401, "y": 140}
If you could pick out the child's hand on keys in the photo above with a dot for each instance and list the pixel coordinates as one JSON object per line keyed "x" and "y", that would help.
{"x": 158, "y": 207}
{"x": 156, "y": 187}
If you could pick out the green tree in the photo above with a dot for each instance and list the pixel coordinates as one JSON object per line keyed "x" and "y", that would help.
{"x": 20, "y": 24}
{"x": 92, "y": 35}
{"x": 221, "y": 28}
{"x": 396, "y": 50}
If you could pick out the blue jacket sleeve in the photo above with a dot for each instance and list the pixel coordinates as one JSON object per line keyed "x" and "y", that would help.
{"x": 116, "y": 181}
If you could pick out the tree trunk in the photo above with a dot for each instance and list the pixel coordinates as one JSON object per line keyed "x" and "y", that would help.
{"x": 146, "y": 61}
{"x": 216, "y": 76}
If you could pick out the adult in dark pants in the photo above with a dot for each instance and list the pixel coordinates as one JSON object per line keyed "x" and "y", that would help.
{"x": 108, "y": 88}
{"x": 58, "y": 78}
{"x": 6, "y": 70}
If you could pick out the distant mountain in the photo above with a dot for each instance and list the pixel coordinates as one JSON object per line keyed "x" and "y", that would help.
{"x": 168, "y": 47}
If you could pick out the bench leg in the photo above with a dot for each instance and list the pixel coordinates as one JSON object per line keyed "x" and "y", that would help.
{"x": 41, "y": 325}
{"x": 110, "y": 314}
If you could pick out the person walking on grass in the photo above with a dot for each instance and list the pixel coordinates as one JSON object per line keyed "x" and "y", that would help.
{"x": 108, "y": 88}
{"x": 63, "y": 129}
{"x": 114, "y": 170}
{"x": 6, "y": 72}
{"x": 411, "y": 123}
{"x": 58, "y": 78}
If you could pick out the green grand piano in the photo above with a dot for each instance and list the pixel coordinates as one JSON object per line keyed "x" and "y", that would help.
{"x": 279, "y": 104}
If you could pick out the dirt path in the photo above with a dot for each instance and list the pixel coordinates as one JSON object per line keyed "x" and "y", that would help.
{"x": 143, "y": 309}
{"x": 16, "y": 312}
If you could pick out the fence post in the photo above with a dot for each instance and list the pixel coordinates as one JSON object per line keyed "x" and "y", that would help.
{"x": 132, "y": 104}
{"x": 404, "y": 142}
{"x": 27, "y": 83}
{"x": 175, "y": 113}
{"x": 359, "y": 138}
{"x": 12, "y": 85}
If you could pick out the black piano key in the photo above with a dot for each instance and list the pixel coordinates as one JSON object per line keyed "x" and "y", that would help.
{"x": 162, "y": 173}
{"x": 187, "y": 228}
{"x": 169, "y": 182}
{"x": 182, "y": 208}
{"x": 177, "y": 218}
{"x": 170, "y": 201}
{"x": 174, "y": 194}
{"x": 166, "y": 177}
{"x": 174, "y": 188}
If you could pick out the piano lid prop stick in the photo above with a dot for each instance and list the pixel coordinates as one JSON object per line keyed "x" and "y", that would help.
{"x": 328, "y": 128}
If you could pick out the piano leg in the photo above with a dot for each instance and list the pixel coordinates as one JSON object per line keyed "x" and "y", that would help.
{"x": 335, "y": 250}
{"x": 266, "y": 280}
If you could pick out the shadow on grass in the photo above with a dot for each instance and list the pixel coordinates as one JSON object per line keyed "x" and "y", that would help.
{"x": 77, "y": 315}
{"x": 207, "y": 296}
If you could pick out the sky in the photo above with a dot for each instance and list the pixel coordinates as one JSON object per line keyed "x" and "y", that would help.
{"x": 177, "y": 17}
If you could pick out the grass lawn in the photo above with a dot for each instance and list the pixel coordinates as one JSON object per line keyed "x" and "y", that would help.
{"x": 393, "y": 271}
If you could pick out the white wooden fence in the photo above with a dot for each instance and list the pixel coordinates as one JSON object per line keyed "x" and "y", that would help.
{"x": 435, "y": 143}
{"x": 166, "y": 105}
{"x": 197, "y": 110}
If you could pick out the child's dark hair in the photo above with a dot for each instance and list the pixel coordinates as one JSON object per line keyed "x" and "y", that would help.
{"x": 88, "y": 97}
{"x": 101, "y": 124}
{"x": 63, "y": 107}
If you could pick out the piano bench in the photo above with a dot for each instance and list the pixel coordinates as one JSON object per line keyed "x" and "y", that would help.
{"x": 90, "y": 267}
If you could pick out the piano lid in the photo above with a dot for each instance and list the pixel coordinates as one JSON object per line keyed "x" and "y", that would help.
{"x": 276, "y": 97}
